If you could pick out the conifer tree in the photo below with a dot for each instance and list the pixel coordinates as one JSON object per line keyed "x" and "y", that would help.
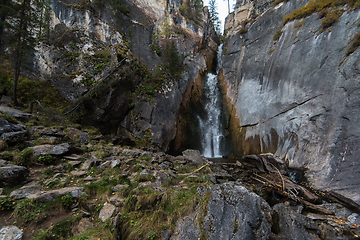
{"x": 214, "y": 15}
{"x": 23, "y": 39}
{"x": 6, "y": 11}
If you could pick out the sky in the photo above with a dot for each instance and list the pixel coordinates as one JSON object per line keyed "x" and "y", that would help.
{"x": 222, "y": 8}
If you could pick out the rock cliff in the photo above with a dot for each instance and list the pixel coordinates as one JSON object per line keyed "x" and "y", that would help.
{"x": 109, "y": 61}
{"x": 295, "y": 95}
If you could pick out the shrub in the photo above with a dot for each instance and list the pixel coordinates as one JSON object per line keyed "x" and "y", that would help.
{"x": 242, "y": 30}
{"x": 45, "y": 159}
{"x": 277, "y": 35}
{"x": 310, "y": 8}
{"x": 355, "y": 43}
{"x": 331, "y": 18}
{"x": 24, "y": 158}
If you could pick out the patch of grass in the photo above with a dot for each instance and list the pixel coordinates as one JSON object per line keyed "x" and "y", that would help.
{"x": 25, "y": 157}
{"x": 7, "y": 204}
{"x": 28, "y": 210}
{"x": 60, "y": 230}
{"x": 312, "y": 7}
{"x": 8, "y": 118}
{"x": 45, "y": 159}
{"x": 137, "y": 222}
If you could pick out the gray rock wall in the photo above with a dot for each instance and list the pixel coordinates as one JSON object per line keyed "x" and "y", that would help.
{"x": 294, "y": 97}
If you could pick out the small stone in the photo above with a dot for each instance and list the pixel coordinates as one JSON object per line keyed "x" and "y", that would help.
{"x": 12, "y": 175}
{"x": 59, "y": 149}
{"x": 106, "y": 212}
{"x": 82, "y": 226}
{"x": 14, "y": 137}
{"x": 145, "y": 172}
{"x": 119, "y": 187}
{"x": 74, "y": 163}
{"x": 78, "y": 173}
{"x": 73, "y": 157}
{"x": 105, "y": 164}
{"x": 117, "y": 201}
{"x": 115, "y": 163}
{"x": 88, "y": 178}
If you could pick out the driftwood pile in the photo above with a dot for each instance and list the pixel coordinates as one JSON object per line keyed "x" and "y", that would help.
{"x": 273, "y": 174}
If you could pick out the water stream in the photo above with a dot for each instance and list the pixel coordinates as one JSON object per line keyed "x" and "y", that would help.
{"x": 211, "y": 126}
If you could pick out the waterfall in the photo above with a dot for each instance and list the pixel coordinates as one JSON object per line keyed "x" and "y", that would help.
{"x": 211, "y": 127}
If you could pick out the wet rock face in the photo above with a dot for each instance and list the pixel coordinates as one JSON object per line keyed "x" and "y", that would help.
{"x": 293, "y": 97}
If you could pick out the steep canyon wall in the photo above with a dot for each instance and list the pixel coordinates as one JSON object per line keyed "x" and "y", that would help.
{"x": 104, "y": 59}
{"x": 297, "y": 97}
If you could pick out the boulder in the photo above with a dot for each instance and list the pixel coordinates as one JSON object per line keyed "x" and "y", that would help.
{"x": 16, "y": 113}
{"x": 132, "y": 152}
{"x": 193, "y": 156}
{"x": 12, "y": 175}
{"x": 78, "y": 136}
{"x": 233, "y": 212}
{"x": 107, "y": 211}
{"x": 59, "y": 149}
{"x": 78, "y": 173}
{"x": 94, "y": 161}
{"x": 292, "y": 224}
{"x": 15, "y": 137}
{"x": 82, "y": 226}
{"x": 52, "y": 195}
{"x": 161, "y": 177}
{"x": 54, "y": 133}
{"x": 26, "y": 190}
{"x": 10, "y": 233}
{"x": 119, "y": 187}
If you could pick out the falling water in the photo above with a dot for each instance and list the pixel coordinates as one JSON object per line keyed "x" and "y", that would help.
{"x": 211, "y": 125}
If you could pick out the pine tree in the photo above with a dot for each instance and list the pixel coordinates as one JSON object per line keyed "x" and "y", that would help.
{"x": 6, "y": 11}
{"x": 214, "y": 16}
{"x": 22, "y": 39}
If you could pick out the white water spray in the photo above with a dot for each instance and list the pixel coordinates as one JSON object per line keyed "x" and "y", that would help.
{"x": 211, "y": 127}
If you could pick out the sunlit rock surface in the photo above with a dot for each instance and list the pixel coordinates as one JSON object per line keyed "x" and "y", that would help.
{"x": 298, "y": 97}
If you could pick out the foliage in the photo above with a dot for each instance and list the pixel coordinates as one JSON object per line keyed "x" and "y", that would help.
{"x": 331, "y": 18}
{"x": 7, "y": 204}
{"x": 120, "y": 7}
{"x": 355, "y": 43}
{"x": 147, "y": 212}
{"x": 60, "y": 230}
{"x": 192, "y": 10}
{"x": 29, "y": 210}
{"x": 172, "y": 60}
{"x": 24, "y": 158}
{"x": 277, "y": 35}
{"x": 45, "y": 159}
{"x": 67, "y": 200}
{"x": 214, "y": 16}
{"x": 312, "y": 7}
